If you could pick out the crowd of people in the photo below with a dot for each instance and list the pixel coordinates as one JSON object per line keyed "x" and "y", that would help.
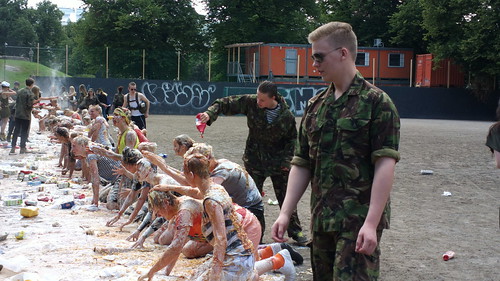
{"x": 208, "y": 206}
{"x": 346, "y": 148}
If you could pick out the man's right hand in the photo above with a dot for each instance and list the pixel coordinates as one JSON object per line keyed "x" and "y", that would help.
{"x": 279, "y": 227}
{"x": 204, "y": 117}
{"x": 134, "y": 236}
{"x": 113, "y": 220}
{"x": 139, "y": 244}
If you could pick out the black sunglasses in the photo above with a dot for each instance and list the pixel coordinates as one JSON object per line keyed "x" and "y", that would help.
{"x": 319, "y": 57}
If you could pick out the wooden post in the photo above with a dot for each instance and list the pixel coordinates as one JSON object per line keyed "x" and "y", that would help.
{"x": 373, "y": 74}
{"x": 107, "y": 62}
{"x": 209, "y": 64}
{"x": 234, "y": 59}
{"x": 178, "y": 65}
{"x": 298, "y": 69}
{"x": 143, "y": 63}
{"x": 448, "y": 75}
{"x": 253, "y": 69}
{"x": 411, "y": 72}
{"x": 37, "y": 57}
{"x": 66, "y": 59}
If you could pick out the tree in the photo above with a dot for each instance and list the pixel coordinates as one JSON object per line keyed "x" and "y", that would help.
{"x": 46, "y": 20}
{"x": 369, "y": 19}
{"x": 466, "y": 31}
{"x": 269, "y": 21}
{"x": 15, "y": 26}
{"x": 405, "y": 27}
{"x": 161, "y": 28}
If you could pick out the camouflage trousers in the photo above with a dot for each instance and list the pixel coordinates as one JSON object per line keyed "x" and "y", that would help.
{"x": 280, "y": 182}
{"x": 333, "y": 257}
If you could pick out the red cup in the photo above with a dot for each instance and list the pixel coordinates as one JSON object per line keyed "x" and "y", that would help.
{"x": 448, "y": 255}
{"x": 200, "y": 125}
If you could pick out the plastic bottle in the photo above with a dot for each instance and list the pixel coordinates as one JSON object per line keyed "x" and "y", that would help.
{"x": 34, "y": 183}
{"x": 448, "y": 255}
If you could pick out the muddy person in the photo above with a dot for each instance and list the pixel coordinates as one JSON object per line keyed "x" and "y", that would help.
{"x": 347, "y": 149}
{"x": 230, "y": 175}
{"x": 270, "y": 141}
{"x": 99, "y": 167}
{"x": 234, "y": 255}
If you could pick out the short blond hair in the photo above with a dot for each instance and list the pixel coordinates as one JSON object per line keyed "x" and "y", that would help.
{"x": 96, "y": 107}
{"x": 201, "y": 148}
{"x": 197, "y": 164}
{"x": 147, "y": 146}
{"x": 340, "y": 34}
{"x": 81, "y": 140}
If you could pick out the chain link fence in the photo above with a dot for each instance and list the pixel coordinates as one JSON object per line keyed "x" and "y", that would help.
{"x": 104, "y": 62}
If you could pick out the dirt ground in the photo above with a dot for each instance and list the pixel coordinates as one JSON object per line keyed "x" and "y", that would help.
{"x": 424, "y": 223}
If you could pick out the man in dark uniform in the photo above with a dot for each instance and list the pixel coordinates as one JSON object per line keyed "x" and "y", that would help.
{"x": 270, "y": 143}
{"x": 347, "y": 149}
{"x": 12, "y": 117}
{"x": 24, "y": 105}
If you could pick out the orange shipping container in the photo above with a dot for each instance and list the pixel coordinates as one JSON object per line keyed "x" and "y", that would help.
{"x": 445, "y": 74}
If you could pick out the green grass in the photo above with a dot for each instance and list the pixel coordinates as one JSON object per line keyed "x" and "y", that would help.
{"x": 19, "y": 70}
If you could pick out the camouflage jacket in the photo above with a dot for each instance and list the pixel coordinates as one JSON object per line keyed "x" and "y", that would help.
{"x": 339, "y": 141}
{"x": 24, "y": 104}
{"x": 269, "y": 147}
{"x": 493, "y": 138}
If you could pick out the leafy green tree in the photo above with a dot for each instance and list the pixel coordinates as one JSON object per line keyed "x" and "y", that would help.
{"x": 405, "y": 27}
{"x": 161, "y": 28}
{"x": 369, "y": 19}
{"x": 270, "y": 21}
{"x": 46, "y": 20}
{"x": 466, "y": 31}
{"x": 15, "y": 27}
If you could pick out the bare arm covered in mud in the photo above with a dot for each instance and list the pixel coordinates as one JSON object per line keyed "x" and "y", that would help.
{"x": 171, "y": 254}
{"x": 160, "y": 163}
{"x": 184, "y": 190}
{"x": 216, "y": 216}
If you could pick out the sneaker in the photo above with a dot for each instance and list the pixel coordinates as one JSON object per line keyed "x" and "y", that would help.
{"x": 92, "y": 208}
{"x": 23, "y": 150}
{"x": 296, "y": 256}
{"x": 288, "y": 269}
{"x": 12, "y": 151}
{"x": 300, "y": 238}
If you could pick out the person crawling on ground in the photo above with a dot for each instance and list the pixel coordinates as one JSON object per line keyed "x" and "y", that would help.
{"x": 99, "y": 167}
{"x": 234, "y": 178}
{"x": 141, "y": 182}
{"x": 234, "y": 255}
{"x": 62, "y": 135}
{"x": 184, "y": 215}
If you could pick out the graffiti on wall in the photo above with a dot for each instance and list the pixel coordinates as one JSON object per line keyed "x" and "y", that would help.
{"x": 297, "y": 97}
{"x": 192, "y": 95}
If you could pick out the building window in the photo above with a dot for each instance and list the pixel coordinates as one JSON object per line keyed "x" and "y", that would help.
{"x": 363, "y": 59}
{"x": 396, "y": 60}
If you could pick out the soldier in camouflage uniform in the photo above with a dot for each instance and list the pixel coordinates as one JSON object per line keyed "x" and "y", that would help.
{"x": 270, "y": 143}
{"x": 347, "y": 148}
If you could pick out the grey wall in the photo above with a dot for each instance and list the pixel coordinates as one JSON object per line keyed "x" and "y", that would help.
{"x": 189, "y": 98}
